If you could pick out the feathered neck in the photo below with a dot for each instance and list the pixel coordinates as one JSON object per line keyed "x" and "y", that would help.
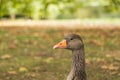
{"x": 78, "y": 64}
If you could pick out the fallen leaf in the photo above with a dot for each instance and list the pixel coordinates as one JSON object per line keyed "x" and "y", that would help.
{"x": 23, "y": 69}
{"x": 6, "y": 56}
{"x": 117, "y": 59}
{"x": 104, "y": 67}
{"x": 12, "y": 72}
{"x": 31, "y": 74}
{"x": 87, "y": 61}
{"x": 113, "y": 73}
{"x": 108, "y": 55}
{"x": 110, "y": 67}
{"x": 12, "y": 46}
{"x": 95, "y": 42}
{"x": 100, "y": 60}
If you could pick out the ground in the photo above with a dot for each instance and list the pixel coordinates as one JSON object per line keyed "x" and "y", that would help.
{"x": 26, "y": 53}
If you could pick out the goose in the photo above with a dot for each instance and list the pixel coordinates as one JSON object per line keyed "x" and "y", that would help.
{"x": 74, "y": 43}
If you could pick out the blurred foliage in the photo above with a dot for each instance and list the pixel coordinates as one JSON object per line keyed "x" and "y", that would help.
{"x": 59, "y": 9}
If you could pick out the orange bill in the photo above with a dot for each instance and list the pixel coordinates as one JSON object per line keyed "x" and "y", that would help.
{"x": 61, "y": 44}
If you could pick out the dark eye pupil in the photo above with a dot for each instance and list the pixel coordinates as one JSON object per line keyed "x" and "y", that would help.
{"x": 71, "y": 39}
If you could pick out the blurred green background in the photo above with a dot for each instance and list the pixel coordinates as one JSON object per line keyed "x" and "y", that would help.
{"x": 59, "y": 9}
{"x": 30, "y": 28}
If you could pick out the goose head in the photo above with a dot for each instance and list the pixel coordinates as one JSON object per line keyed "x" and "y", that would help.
{"x": 71, "y": 42}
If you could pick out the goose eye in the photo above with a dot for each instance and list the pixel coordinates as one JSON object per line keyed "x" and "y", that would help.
{"x": 71, "y": 39}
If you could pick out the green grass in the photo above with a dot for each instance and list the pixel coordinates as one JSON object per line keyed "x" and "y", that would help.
{"x": 30, "y": 55}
